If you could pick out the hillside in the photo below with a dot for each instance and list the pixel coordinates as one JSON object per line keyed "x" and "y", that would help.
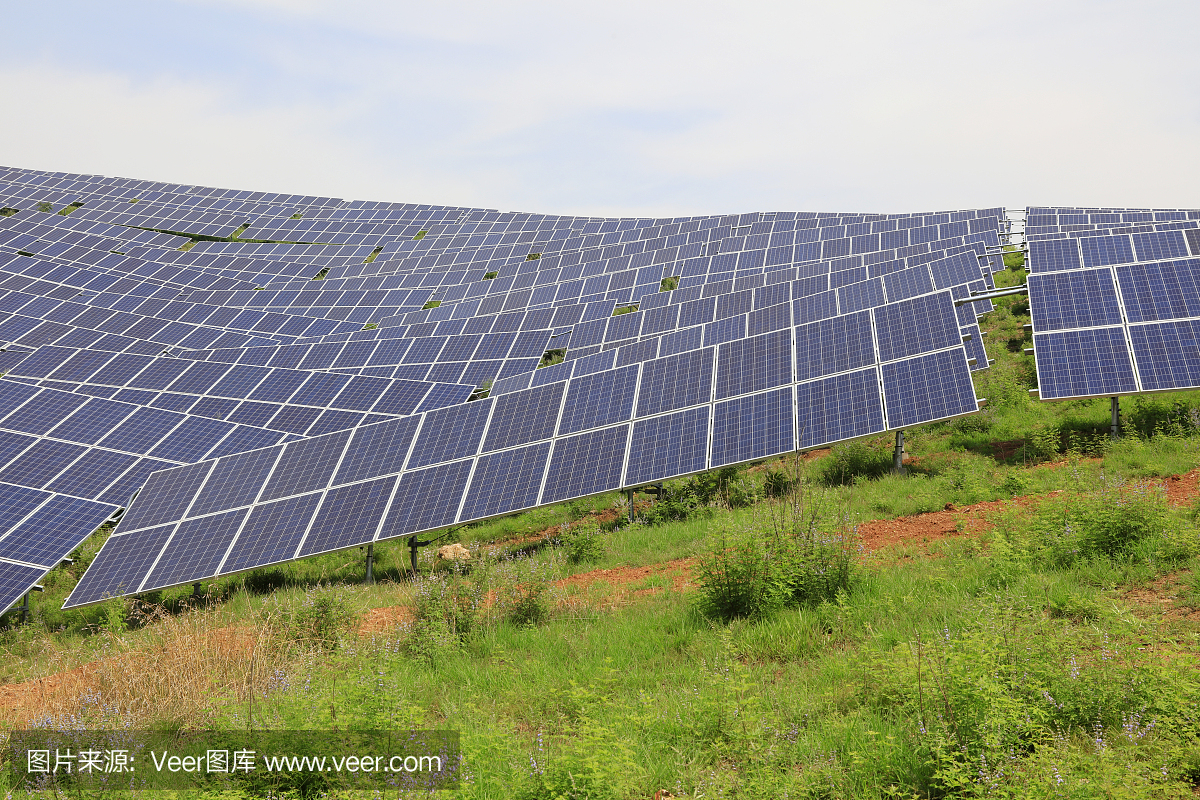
{"x": 1016, "y": 615}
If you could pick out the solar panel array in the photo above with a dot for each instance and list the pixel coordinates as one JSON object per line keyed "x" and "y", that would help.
{"x": 1115, "y": 312}
{"x": 304, "y": 385}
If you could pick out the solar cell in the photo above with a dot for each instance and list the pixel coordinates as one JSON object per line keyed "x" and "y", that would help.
{"x": 1077, "y": 299}
{"x": 506, "y": 481}
{"x": 837, "y": 408}
{"x": 15, "y": 581}
{"x": 928, "y": 388}
{"x": 420, "y": 500}
{"x": 1165, "y": 290}
{"x": 306, "y": 465}
{"x": 586, "y": 464}
{"x": 1083, "y": 363}
{"x": 119, "y": 567}
{"x": 524, "y": 416}
{"x": 918, "y": 325}
{"x": 451, "y": 433}
{"x": 349, "y": 516}
{"x": 599, "y": 399}
{"x": 753, "y": 427}
{"x": 753, "y": 364}
{"x": 1167, "y": 355}
{"x": 667, "y": 446}
{"x": 195, "y": 550}
{"x": 272, "y": 533}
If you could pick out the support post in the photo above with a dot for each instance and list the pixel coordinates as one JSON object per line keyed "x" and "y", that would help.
{"x": 898, "y": 454}
{"x": 25, "y": 610}
{"x": 413, "y": 544}
{"x": 196, "y": 595}
{"x": 370, "y": 562}
{"x": 629, "y": 499}
{"x": 1115, "y": 430}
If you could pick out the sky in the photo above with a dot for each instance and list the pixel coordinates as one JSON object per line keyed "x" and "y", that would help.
{"x": 618, "y": 108}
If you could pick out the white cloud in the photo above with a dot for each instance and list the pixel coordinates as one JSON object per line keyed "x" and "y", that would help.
{"x": 661, "y": 108}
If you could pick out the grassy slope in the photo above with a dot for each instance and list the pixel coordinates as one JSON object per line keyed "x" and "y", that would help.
{"x": 815, "y": 701}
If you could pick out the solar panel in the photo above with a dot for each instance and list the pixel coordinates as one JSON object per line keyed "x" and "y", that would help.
{"x": 1083, "y": 363}
{"x": 664, "y": 397}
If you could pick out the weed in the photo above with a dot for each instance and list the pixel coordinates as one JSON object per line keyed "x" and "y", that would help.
{"x": 319, "y": 619}
{"x": 584, "y": 543}
{"x": 855, "y": 461}
{"x": 1043, "y": 443}
{"x": 800, "y": 550}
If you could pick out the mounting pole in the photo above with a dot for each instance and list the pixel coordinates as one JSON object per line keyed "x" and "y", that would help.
{"x": 25, "y": 610}
{"x": 898, "y": 454}
{"x": 629, "y": 498}
{"x": 1114, "y": 431}
{"x": 371, "y": 561}
{"x": 196, "y": 591}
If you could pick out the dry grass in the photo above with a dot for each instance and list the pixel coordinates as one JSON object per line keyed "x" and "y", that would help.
{"x": 174, "y": 672}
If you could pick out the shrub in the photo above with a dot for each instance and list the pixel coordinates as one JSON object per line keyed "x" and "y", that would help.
{"x": 800, "y": 550}
{"x": 854, "y": 461}
{"x": 1043, "y": 443}
{"x": 321, "y": 618}
{"x": 683, "y": 500}
{"x": 584, "y": 543}
{"x": 527, "y": 604}
{"x": 1153, "y": 416}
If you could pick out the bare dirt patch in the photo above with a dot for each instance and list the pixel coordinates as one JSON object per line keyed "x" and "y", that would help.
{"x": 926, "y": 528}
{"x": 1164, "y": 594}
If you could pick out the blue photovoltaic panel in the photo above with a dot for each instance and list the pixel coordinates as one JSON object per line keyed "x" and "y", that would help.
{"x": 1166, "y": 290}
{"x": 586, "y": 464}
{"x": 93, "y": 422}
{"x": 196, "y": 550}
{"x": 172, "y": 491}
{"x": 272, "y": 533}
{"x": 753, "y": 364}
{"x": 506, "y": 481}
{"x": 919, "y": 325}
{"x": 666, "y": 446}
{"x": 524, "y": 416}
{"x": 1083, "y": 363}
{"x": 675, "y": 382}
{"x": 1080, "y": 299}
{"x": 306, "y": 465}
{"x": 235, "y": 481}
{"x": 17, "y": 503}
{"x": 41, "y": 463}
{"x": 1054, "y": 254}
{"x": 834, "y": 345}
{"x": 907, "y": 283}
{"x": 1167, "y": 354}
{"x": 1101, "y": 251}
{"x": 119, "y": 566}
{"x": 1158, "y": 245}
{"x": 377, "y": 450}
{"x": 421, "y": 499}
{"x": 15, "y": 581}
{"x": 599, "y": 399}
{"x": 51, "y": 532}
{"x": 838, "y": 408}
{"x": 858, "y": 296}
{"x": 43, "y": 413}
{"x": 753, "y": 427}
{"x": 141, "y": 431}
{"x": 928, "y": 388}
{"x": 349, "y": 516}
{"x": 451, "y": 433}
